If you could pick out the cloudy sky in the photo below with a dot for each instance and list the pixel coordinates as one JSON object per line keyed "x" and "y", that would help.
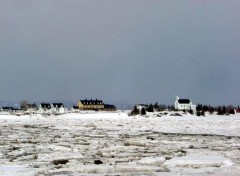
{"x": 136, "y": 51}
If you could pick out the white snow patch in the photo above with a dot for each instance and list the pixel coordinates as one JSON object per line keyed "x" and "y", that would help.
{"x": 14, "y": 170}
{"x": 153, "y": 161}
{"x": 199, "y": 161}
{"x": 124, "y": 144}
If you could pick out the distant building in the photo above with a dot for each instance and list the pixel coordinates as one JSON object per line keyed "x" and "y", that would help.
{"x": 6, "y": 110}
{"x": 184, "y": 104}
{"x": 90, "y": 104}
{"x": 109, "y": 107}
{"x": 30, "y": 108}
{"x": 45, "y": 108}
{"x": 58, "y": 108}
{"x": 11, "y": 110}
{"x": 75, "y": 109}
{"x": 17, "y": 111}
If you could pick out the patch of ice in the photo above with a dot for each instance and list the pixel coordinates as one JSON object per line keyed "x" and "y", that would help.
{"x": 157, "y": 161}
{"x": 199, "y": 161}
{"x": 14, "y": 170}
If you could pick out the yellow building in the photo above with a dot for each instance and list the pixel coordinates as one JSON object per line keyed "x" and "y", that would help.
{"x": 91, "y": 104}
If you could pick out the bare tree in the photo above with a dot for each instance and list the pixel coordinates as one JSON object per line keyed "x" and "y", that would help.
{"x": 24, "y": 104}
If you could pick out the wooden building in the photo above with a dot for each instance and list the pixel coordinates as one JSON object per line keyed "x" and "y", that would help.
{"x": 91, "y": 104}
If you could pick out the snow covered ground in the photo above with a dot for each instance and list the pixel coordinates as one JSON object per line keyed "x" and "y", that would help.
{"x": 116, "y": 144}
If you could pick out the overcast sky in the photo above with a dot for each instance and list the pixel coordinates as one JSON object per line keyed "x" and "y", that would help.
{"x": 136, "y": 51}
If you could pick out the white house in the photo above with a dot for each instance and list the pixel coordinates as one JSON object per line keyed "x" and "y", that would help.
{"x": 75, "y": 109}
{"x": 184, "y": 104}
{"x": 5, "y": 110}
{"x": 58, "y": 108}
{"x": 45, "y": 108}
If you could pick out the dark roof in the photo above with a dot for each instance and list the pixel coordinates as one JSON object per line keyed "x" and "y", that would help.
{"x": 109, "y": 106}
{"x": 7, "y": 108}
{"x": 58, "y": 105}
{"x": 12, "y": 108}
{"x": 75, "y": 107}
{"x": 93, "y": 102}
{"x": 16, "y": 109}
{"x": 141, "y": 105}
{"x": 46, "y": 105}
{"x": 184, "y": 101}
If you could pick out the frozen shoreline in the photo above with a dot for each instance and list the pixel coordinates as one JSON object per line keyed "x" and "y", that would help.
{"x": 165, "y": 145}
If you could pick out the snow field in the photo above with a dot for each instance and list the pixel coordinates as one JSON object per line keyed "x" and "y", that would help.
{"x": 114, "y": 143}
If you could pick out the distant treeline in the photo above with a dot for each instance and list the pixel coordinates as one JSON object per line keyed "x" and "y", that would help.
{"x": 200, "y": 109}
{"x": 221, "y": 110}
{"x": 150, "y": 108}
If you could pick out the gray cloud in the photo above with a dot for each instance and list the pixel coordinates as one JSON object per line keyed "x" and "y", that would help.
{"x": 136, "y": 51}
